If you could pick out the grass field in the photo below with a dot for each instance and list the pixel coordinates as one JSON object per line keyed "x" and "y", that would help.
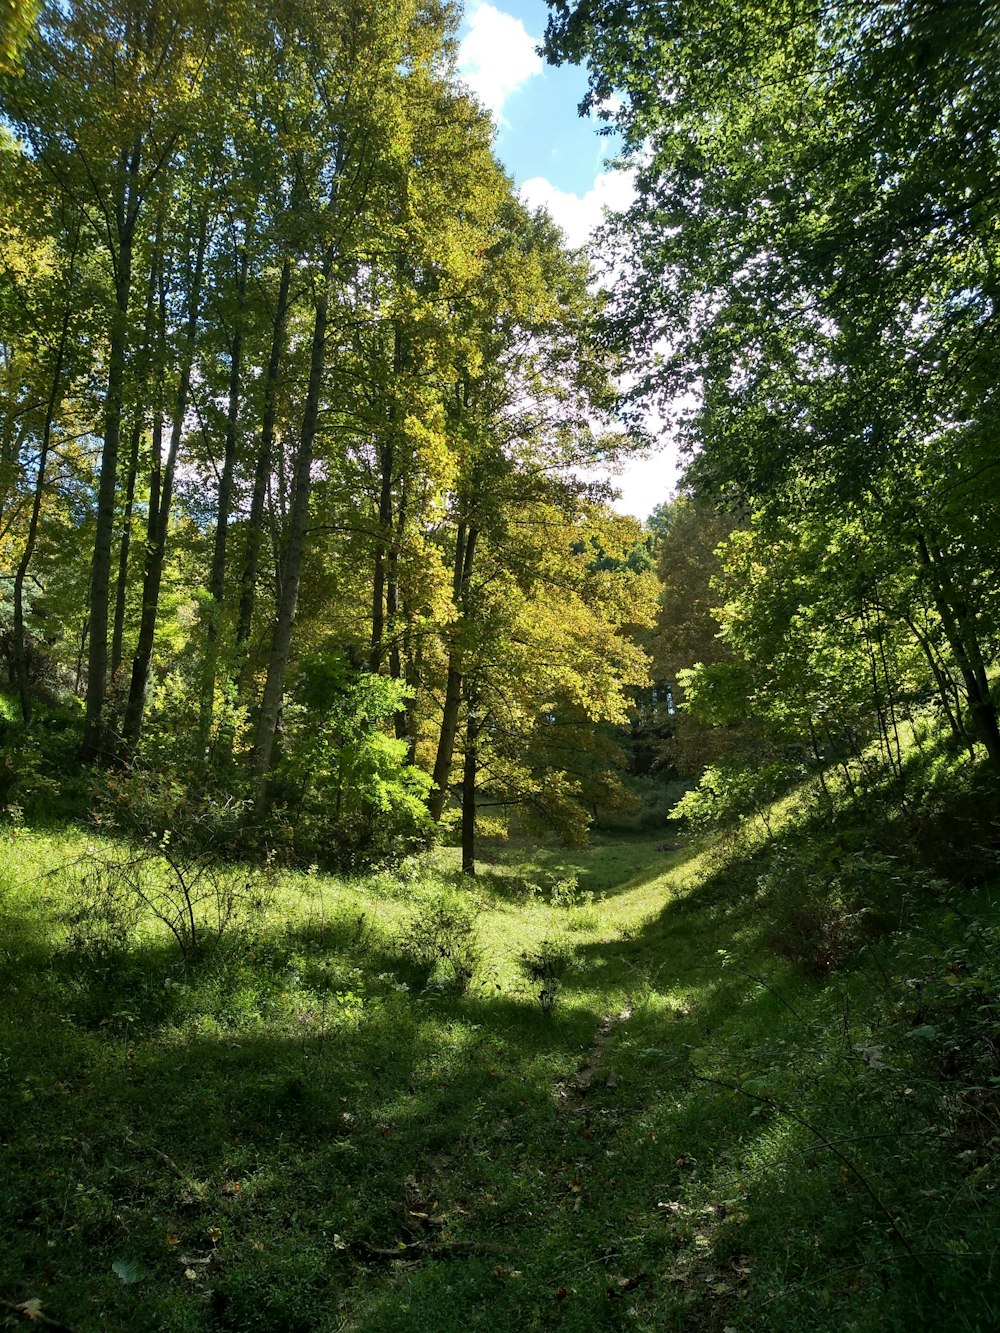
{"x": 316, "y": 1129}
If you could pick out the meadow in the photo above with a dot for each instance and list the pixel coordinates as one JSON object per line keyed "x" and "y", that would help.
{"x": 593, "y": 1089}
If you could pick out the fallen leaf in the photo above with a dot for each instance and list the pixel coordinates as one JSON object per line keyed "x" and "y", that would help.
{"x": 623, "y": 1284}
{"x": 31, "y": 1308}
{"x": 171, "y": 1239}
{"x": 214, "y": 1234}
{"x": 190, "y": 1274}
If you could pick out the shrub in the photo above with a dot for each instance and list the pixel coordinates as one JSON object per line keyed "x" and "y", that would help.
{"x": 565, "y": 891}
{"x": 735, "y": 793}
{"x": 546, "y": 968}
{"x": 105, "y": 914}
{"x": 198, "y": 898}
{"x": 442, "y": 939}
{"x": 345, "y": 795}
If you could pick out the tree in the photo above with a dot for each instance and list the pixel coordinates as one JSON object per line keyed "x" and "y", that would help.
{"x": 687, "y": 627}
{"x": 812, "y": 241}
{"x": 17, "y": 18}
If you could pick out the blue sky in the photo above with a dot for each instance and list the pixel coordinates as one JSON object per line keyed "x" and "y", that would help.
{"x": 557, "y": 160}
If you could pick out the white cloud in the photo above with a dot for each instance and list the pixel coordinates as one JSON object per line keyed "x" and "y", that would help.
{"x": 496, "y": 56}
{"x": 579, "y": 215}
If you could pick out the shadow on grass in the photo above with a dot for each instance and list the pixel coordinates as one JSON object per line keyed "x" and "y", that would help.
{"x": 241, "y": 1134}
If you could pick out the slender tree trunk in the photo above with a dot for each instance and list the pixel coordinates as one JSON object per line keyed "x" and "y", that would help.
{"x": 156, "y": 551}
{"x": 121, "y": 587}
{"x": 270, "y": 708}
{"x": 217, "y": 576}
{"x": 401, "y": 666}
{"x": 379, "y": 576}
{"x": 890, "y": 693}
{"x": 100, "y": 574}
{"x": 84, "y": 631}
{"x": 262, "y": 470}
{"x": 963, "y": 639}
{"x": 945, "y": 686}
{"x": 387, "y": 461}
{"x": 465, "y": 551}
{"x": 411, "y": 670}
{"x": 20, "y": 654}
{"x": 125, "y": 546}
{"x": 470, "y": 771}
{"x": 820, "y": 766}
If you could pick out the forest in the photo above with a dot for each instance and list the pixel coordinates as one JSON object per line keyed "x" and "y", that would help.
{"x": 431, "y": 898}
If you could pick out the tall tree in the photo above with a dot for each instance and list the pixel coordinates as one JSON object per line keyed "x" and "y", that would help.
{"x": 812, "y": 241}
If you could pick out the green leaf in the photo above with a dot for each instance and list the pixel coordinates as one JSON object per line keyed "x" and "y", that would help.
{"x": 128, "y": 1271}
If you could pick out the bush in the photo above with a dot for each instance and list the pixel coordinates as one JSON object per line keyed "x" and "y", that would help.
{"x": 344, "y": 794}
{"x": 546, "y": 967}
{"x": 105, "y": 915}
{"x": 565, "y": 891}
{"x": 733, "y": 793}
{"x": 442, "y": 939}
{"x": 198, "y": 898}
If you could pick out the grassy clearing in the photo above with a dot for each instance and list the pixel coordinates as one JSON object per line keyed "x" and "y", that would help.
{"x": 317, "y": 1131}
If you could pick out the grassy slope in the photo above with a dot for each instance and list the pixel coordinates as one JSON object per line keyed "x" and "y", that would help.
{"x": 238, "y": 1136}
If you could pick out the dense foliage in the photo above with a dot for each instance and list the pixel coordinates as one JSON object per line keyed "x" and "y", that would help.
{"x": 809, "y": 270}
{"x": 293, "y": 386}
{"x": 298, "y": 572}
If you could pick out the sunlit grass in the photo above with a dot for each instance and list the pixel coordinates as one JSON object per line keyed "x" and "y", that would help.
{"x": 274, "y": 1111}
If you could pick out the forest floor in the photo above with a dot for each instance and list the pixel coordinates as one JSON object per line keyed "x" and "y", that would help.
{"x": 659, "y": 1121}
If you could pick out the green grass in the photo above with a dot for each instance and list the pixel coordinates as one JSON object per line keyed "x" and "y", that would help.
{"x": 239, "y": 1136}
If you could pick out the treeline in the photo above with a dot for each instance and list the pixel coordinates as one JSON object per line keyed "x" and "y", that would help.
{"x": 292, "y": 392}
{"x": 810, "y": 269}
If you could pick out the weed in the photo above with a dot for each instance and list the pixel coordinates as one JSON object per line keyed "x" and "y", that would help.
{"x": 546, "y": 967}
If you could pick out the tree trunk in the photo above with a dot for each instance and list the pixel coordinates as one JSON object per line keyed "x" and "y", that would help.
{"x": 126, "y": 211}
{"x": 262, "y": 470}
{"x": 217, "y": 576}
{"x": 141, "y": 386}
{"x": 384, "y": 537}
{"x": 469, "y": 773}
{"x": 20, "y": 654}
{"x": 945, "y": 685}
{"x": 160, "y": 515}
{"x": 465, "y": 551}
{"x": 295, "y": 550}
{"x": 963, "y": 639}
{"x": 401, "y": 664}
{"x": 121, "y": 588}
